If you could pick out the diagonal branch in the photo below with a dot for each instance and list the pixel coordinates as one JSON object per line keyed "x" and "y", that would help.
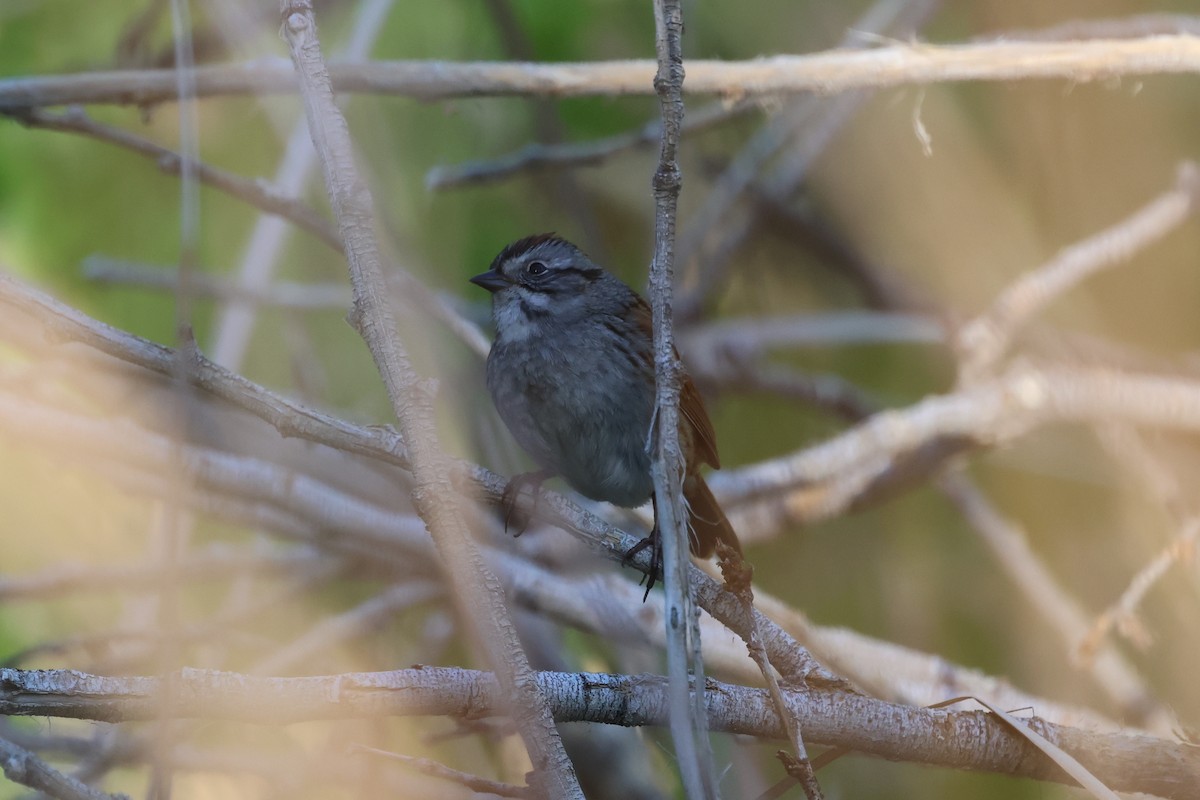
{"x": 480, "y": 596}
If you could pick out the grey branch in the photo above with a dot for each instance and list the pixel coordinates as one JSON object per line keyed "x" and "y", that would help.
{"x": 576, "y": 154}
{"x": 23, "y": 767}
{"x": 961, "y": 739}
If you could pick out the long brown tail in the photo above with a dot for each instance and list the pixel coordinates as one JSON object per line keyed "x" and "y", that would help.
{"x": 707, "y": 523}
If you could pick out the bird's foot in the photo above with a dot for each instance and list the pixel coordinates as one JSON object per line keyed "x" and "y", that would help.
{"x": 654, "y": 542}
{"x": 512, "y": 493}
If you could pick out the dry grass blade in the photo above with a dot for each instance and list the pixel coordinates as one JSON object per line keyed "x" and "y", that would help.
{"x": 1062, "y": 758}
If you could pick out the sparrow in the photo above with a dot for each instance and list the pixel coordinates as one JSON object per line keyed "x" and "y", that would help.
{"x": 571, "y": 373}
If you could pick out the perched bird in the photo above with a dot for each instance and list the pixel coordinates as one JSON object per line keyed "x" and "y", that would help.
{"x": 572, "y": 374}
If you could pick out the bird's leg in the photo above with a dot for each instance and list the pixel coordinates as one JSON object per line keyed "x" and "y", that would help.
{"x": 512, "y": 492}
{"x": 655, "y": 544}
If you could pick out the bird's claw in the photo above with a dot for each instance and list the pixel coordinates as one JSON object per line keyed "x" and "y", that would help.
{"x": 651, "y": 577}
{"x": 512, "y": 492}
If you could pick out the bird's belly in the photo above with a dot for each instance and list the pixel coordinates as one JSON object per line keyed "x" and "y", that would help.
{"x": 590, "y": 425}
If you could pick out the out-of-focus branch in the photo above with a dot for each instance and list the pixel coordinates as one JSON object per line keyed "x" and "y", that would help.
{"x": 215, "y": 565}
{"x": 988, "y": 414}
{"x": 1122, "y": 614}
{"x": 255, "y": 192}
{"x": 1131, "y": 27}
{"x": 827, "y": 73}
{"x": 478, "y": 594}
{"x": 281, "y": 294}
{"x": 804, "y": 128}
{"x": 288, "y": 294}
{"x": 577, "y": 154}
{"x": 753, "y": 336}
{"x": 983, "y": 340}
{"x": 234, "y": 329}
{"x": 354, "y": 623}
{"x": 62, "y": 323}
{"x": 438, "y": 770}
{"x": 963, "y": 739}
{"x": 23, "y": 767}
{"x": 1112, "y": 671}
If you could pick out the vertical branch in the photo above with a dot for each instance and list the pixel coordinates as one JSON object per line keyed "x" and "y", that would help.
{"x": 261, "y": 256}
{"x": 477, "y": 591}
{"x": 173, "y": 524}
{"x": 688, "y": 720}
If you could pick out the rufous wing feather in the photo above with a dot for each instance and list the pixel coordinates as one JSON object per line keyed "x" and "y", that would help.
{"x": 707, "y": 523}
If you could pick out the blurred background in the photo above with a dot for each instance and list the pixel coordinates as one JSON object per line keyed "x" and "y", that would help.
{"x": 926, "y": 200}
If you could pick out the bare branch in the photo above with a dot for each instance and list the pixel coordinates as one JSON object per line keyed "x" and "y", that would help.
{"x": 997, "y": 411}
{"x": 430, "y": 767}
{"x": 982, "y": 341}
{"x": 962, "y": 739}
{"x": 479, "y": 594}
{"x": 823, "y": 73}
{"x": 1131, "y": 27}
{"x": 576, "y": 154}
{"x": 1122, "y": 614}
{"x": 23, "y": 767}
{"x": 281, "y": 294}
{"x": 689, "y": 728}
{"x": 1112, "y": 671}
{"x": 255, "y": 192}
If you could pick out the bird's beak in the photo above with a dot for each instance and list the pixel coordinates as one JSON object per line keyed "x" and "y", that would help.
{"x": 491, "y": 280}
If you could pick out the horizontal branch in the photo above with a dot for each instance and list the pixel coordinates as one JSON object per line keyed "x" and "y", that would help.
{"x": 986, "y": 415}
{"x": 280, "y": 294}
{"x": 972, "y": 740}
{"x": 826, "y": 73}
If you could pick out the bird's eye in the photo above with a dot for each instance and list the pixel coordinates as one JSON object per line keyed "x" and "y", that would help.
{"x": 535, "y": 268}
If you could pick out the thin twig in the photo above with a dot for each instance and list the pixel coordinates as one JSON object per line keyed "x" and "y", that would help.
{"x": 1131, "y": 27}
{"x": 217, "y": 564}
{"x": 437, "y": 770}
{"x": 254, "y": 192}
{"x": 356, "y": 622}
{"x": 577, "y": 154}
{"x": 281, "y": 294}
{"x": 1114, "y": 674}
{"x": 737, "y": 577}
{"x": 1122, "y": 614}
{"x": 983, "y": 340}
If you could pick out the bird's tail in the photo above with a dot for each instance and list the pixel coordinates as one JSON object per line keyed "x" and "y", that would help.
{"x": 707, "y": 523}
